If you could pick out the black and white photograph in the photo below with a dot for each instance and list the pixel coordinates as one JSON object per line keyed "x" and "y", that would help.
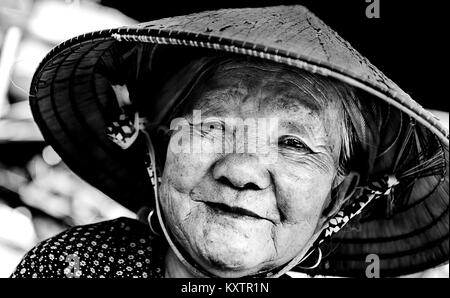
{"x": 223, "y": 139}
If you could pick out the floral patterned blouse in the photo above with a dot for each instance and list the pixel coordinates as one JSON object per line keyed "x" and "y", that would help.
{"x": 120, "y": 248}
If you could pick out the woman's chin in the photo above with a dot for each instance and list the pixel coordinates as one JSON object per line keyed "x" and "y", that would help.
{"x": 229, "y": 266}
{"x": 232, "y": 255}
{"x": 224, "y": 273}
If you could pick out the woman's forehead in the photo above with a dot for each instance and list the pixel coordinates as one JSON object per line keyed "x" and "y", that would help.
{"x": 263, "y": 88}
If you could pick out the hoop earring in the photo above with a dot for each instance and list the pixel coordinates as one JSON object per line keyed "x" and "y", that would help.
{"x": 150, "y": 221}
{"x": 316, "y": 264}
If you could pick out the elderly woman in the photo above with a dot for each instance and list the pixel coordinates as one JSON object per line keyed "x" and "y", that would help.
{"x": 247, "y": 139}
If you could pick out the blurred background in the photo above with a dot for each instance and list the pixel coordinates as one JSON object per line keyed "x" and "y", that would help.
{"x": 40, "y": 196}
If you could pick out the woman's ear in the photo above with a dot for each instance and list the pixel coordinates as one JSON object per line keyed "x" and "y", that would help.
{"x": 340, "y": 195}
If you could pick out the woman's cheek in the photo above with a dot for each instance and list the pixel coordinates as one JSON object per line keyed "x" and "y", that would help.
{"x": 300, "y": 196}
{"x": 182, "y": 174}
{"x": 185, "y": 170}
{"x": 301, "y": 202}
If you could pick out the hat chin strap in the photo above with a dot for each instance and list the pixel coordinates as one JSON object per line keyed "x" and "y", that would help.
{"x": 151, "y": 168}
{"x": 195, "y": 270}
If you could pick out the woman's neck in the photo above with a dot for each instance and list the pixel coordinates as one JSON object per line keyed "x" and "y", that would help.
{"x": 174, "y": 268}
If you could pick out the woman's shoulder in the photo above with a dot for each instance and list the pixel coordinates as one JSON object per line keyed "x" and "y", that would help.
{"x": 122, "y": 247}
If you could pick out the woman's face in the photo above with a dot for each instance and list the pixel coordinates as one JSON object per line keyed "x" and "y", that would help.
{"x": 240, "y": 212}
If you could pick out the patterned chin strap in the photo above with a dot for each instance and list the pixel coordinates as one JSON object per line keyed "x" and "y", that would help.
{"x": 125, "y": 131}
{"x": 375, "y": 190}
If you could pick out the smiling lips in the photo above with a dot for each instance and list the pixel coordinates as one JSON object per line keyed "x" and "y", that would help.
{"x": 232, "y": 211}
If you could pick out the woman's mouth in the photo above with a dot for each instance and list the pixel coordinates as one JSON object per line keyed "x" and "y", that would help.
{"x": 236, "y": 212}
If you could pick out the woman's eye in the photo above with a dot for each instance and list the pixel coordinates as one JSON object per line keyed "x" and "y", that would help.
{"x": 293, "y": 143}
{"x": 212, "y": 127}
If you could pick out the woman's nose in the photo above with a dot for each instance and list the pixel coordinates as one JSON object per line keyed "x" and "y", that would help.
{"x": 241, "y": 171}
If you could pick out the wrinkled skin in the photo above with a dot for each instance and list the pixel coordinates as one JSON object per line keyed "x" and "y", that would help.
{"x": 287, "y": 197}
